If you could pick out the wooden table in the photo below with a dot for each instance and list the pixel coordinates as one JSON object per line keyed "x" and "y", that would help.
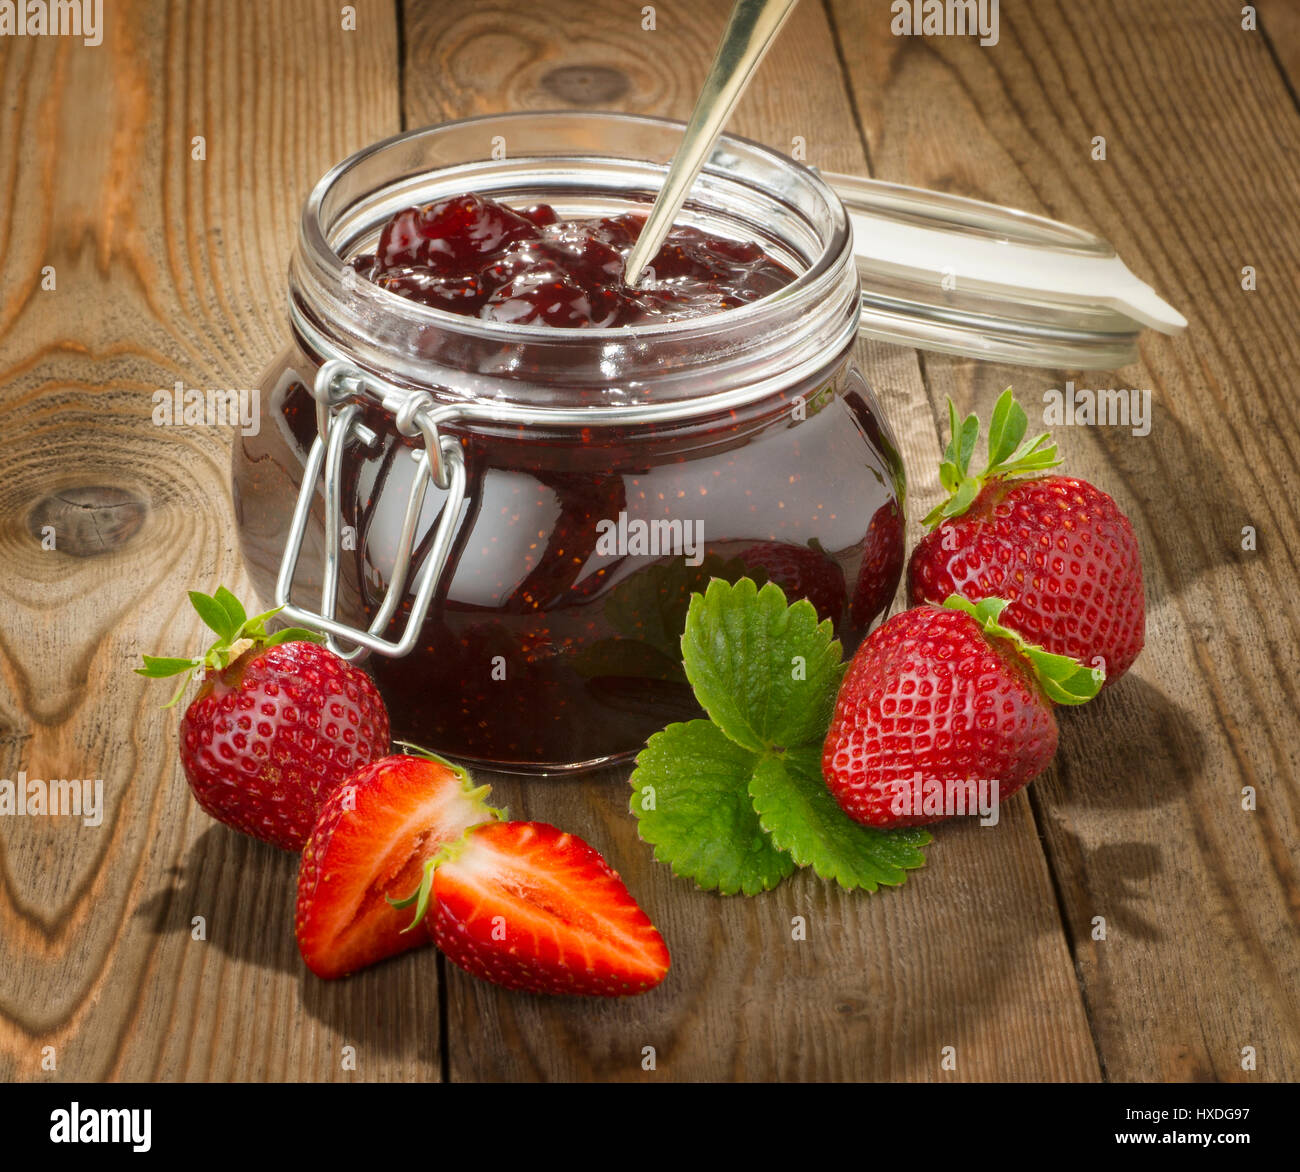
{"x": 169, "y": 268}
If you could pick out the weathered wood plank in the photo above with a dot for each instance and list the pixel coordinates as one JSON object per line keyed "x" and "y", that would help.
{"x": 1142, "y": 812}
{"x": 1279, "y": 21}
{"x": 167, "y": 269}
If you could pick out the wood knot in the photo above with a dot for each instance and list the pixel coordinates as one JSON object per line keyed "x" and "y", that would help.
{"x": 87, "y": 520}
{"x": 586, "y": 85}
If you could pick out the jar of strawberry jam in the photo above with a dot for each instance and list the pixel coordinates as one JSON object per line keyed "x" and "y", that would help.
{"x": 498, "y": 475}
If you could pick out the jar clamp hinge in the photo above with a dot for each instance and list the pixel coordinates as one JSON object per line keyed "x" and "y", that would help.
{"x": 339, "y": 391}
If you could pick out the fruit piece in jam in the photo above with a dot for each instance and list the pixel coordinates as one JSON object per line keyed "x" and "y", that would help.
{"x": 478, "y": 258}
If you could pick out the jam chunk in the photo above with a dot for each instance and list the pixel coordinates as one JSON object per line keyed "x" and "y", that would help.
{"x": 478, "y": 258}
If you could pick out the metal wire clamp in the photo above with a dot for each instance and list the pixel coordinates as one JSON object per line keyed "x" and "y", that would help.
{"x": 340, "y": 391}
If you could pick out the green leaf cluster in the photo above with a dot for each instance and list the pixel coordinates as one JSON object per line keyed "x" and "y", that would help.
{"x": 1009, "y": 454}
{"x": 737, "y": 801}
{"x": 225, "y": 615}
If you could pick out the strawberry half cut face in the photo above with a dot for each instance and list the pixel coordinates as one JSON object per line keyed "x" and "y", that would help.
{"x": 370, "y": 842}
{"x": 529, "y": 907}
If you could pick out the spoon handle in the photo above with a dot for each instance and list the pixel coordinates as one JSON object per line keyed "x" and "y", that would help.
{"x": 750, "y": 31}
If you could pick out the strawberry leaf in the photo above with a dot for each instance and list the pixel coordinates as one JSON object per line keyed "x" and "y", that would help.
{"x": 966, "y": 435}
{"x": 232, "y": 606}
{"x": 767, "y": 672}
{"x": 690, "y": 794}
{"x": 258, "y": 621}
{"x": 959, "y": 502}
{"x": 1065, "y": 680}
{"x": 1031, "y": 456}
{"x": 160, "y": 667}
{"x": 1006, "y": 427}
{"x": 420, "y": 897}
{"x": 176, "y": 695}
{"x": 292, "y": 635}
{"x": 214, "y": 615}
{"x": 797, "y": 810}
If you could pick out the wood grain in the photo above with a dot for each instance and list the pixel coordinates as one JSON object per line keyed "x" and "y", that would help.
{"x": 166, "y": 269}
{"x": 1142, "y": 813}
{"x": 970, "y": 952}
{"x": 169, "y": 269}
{"x": 1279, "y": 22}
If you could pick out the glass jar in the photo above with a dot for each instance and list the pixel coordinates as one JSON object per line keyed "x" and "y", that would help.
{"x": 513, "y": 518}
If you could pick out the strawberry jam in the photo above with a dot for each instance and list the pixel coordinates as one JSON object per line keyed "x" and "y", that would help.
{"x": 556, "y": 639}
{"x": 479, "y": 258}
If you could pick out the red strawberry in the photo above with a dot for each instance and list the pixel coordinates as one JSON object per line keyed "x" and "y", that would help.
{"x": 939, "y": 697}
{"x": 371, "y": 842}
{"x": 277, "y": 723}
{"x": 803, "y": 571}
{"x": 882, "y": 564}
{"x": 528, "y": 907}
{"x": 1057, "y": 549}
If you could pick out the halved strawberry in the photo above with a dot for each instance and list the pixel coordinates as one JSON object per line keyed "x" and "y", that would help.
{"x": 529, "y": 907}
{"x": 371, "y": 840}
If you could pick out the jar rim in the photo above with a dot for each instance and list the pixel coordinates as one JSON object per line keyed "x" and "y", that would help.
{"x": 313, "y": 235}
{"x": 819, "y": 308}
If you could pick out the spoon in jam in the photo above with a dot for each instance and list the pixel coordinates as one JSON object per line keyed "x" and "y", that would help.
{"x": 750, "y": 32}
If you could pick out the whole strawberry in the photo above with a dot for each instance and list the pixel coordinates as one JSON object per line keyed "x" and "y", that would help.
{"x": 1058, "y": 549}
{"x": 803, "y": 571}
{"x": 278, "y": 722}
{"x": 938, "y": 702}
{"x": 882, "y": 564}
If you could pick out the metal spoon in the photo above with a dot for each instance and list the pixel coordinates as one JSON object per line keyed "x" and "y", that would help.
{"x": 750, "y": 31}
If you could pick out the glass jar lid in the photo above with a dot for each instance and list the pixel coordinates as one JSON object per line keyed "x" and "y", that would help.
{"x": 961, "y": 276}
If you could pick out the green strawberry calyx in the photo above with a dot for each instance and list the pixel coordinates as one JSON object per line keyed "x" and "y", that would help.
{"x": 236, "y": 633}
{"x": 448, "y": 850}
{"x": 1009, "y": 454}
{"x": 1062, "y": 679}
{"x": 421, "y": 895}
